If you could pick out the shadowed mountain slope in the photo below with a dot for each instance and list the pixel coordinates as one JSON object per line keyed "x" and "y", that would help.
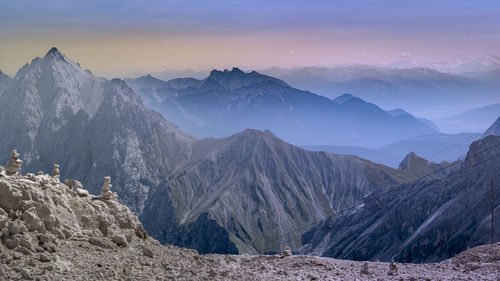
{"x": 258, "y": 187}
{"x": 429, "y": 220}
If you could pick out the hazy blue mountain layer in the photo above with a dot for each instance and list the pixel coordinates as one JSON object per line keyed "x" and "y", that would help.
{"x": 230, "y": 101}
{"x": 435, "y": 147}
{"x": 422, "y": 91}
{"x": 475, "y": 120}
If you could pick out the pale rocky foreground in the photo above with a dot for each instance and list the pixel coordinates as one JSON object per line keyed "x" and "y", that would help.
{"x": 50, "y": 231}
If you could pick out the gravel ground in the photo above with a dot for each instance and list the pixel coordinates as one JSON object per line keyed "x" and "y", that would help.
{"x": 148, "y": 260}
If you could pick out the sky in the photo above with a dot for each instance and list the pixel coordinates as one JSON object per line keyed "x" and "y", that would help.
{"x": 117, "y": 38}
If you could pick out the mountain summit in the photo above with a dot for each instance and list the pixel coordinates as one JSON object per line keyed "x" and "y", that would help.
{"x": 58, "y": 113}
{"x": 54, "y": 53}
{"x": 236, "y": 78}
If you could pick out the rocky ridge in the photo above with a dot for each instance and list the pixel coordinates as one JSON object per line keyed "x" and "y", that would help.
{"x": 426, "y": 221}
{"x": 49, "y": 231}
{"x": 258, "y": 188}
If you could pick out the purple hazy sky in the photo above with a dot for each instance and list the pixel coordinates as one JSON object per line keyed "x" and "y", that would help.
{"x": 120, "y": 37}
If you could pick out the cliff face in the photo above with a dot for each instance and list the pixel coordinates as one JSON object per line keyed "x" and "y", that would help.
{"x": 429, "y": 220}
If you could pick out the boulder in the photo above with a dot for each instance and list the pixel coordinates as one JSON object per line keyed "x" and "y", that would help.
{"x": 120, "y": 240}
{"x": 82, "y": 192}
{"x": 32, "y": 220}
{"x": 11, "y": 243}
{"x": 147, "y": 252}
{"x": 16, "y": 227}
{"x": 101, "y": 242}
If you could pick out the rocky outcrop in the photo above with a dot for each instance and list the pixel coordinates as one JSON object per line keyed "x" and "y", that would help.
{"x": 420, "y": 167}
{"x": 35, "y": 215}
{"x": 430, "y": 220}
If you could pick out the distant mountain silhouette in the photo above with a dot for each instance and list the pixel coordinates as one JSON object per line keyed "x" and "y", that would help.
{"x": 425, "y": 92}
{"x": 232, "y": 100}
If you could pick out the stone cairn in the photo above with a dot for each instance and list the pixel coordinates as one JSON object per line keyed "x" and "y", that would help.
{"x": 14, "y": 164}
{"x": 393, "y": 269}
{"x": 286, "y": 253}
{"x": 56, "y": 174}
{"x": 106, "y": 190}
{"x": 14, "y": 167}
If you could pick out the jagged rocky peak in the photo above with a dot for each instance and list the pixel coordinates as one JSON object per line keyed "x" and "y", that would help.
{"x": 493, "y": 129}
{"x": 408, "y": 161}
{"x": 237, "y": 78}
{"x": 54, "y": 53}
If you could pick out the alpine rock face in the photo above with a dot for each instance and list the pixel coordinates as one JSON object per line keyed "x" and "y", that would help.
{"x": 419, "y": 222}
{"x": 55, "y": 112}
{"x": 261, "y": 190}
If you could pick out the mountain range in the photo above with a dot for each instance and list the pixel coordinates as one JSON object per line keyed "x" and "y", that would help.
{"x": 436, "y": 147}
{"x": 422, "y": 221}
{"x": 258, "y": 187}
{"x": 422, "y": 91}
{"x": 216, "y": 195}
{"x": 250, "y": 192}
{"x": 231, "y": 100}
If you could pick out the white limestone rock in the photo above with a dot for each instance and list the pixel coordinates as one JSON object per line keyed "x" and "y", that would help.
{"x": 73, "y": 184}
{"x": 82, "y": 192}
